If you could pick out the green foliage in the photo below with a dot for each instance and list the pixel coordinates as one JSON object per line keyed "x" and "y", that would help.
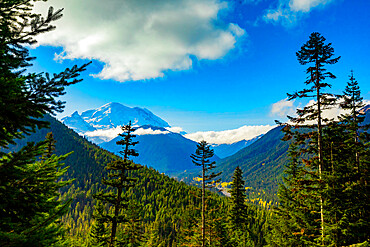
{"x": 119, "y": 180}
{"x": 30, "y": 208}
{"x": 99, "y": 232}
{"x": 238, "y": 206}
{"x": 262, "y": 164}
{"x": 323, "y": 198}
{"x": 24, "y": 98}
{"x": 201, "y": 158}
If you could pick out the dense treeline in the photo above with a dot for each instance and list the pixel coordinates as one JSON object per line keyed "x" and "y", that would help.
{"x": 324, "y": 200}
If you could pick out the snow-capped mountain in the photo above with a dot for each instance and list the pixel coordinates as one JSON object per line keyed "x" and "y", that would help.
{"x": 160, "y": 146}
{"x": 77, "y": 123}
{"x": 110, "y": 116}
{"x": 115, "y": 114}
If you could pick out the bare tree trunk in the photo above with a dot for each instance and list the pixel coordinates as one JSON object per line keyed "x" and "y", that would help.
{"x": 319, "y": 144}
{"x": 203, "y": 205}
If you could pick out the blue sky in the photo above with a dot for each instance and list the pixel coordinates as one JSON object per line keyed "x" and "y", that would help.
{"x": 217, "y": 65}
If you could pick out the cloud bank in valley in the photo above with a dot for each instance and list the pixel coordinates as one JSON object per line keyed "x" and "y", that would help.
{"x": 140, "y": 39}
{"x": 109, "y": 134}
{"x": 230, "y": 136}
{"x": 288, "y": 12}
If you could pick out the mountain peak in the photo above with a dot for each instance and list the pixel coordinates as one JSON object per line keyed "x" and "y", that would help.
{"x": 112, "y": 115}
{"x": 75, "y": 114}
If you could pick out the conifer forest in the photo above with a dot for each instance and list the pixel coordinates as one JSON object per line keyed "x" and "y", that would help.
{"x": 57, "y": 188}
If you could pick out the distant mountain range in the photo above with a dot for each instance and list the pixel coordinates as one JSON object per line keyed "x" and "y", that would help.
{"x": 225, "y": 150}
{"x": 159, "y": 147}
{"x": 166, "y": 151}
{"x": 262, "y": 163}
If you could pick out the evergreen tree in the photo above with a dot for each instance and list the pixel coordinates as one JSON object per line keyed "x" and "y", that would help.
{"x": 201, "y": 158}
{"x": 29, "y": 189}
{"x": 25, "y": 98}
{"x": 99, "y": 232}
{"x": 119, "y": 180}
{"x": 349, "y": 152}
{"x": 310, "y": 138}
{"x": 292, "y": 215}
{"x": 29, "y": 208}
{"x": 133, "y": 232}
{"x": 50, "y": 148}
{"x": 238, "y": 207}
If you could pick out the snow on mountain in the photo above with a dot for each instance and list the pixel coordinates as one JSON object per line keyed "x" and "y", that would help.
{"x": 112, "y": 115}
{"x": 77, "y": 123}
{"x": 103, "y": 124}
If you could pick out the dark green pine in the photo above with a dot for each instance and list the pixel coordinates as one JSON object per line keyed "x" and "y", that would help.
{"x": 238, "y": 207}
{"x": 201, "y": 158}
{"x": 99, "y": 233}
{"x": 119, "y": 181}
{"x": 309, "y": 124}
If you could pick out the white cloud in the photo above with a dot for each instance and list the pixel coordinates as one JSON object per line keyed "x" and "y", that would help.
{"x": 332, "y": 113}
{"x": 230, "y": 136}
{"x": 104, "y": 134}
{"x": 288, "y": 12}
{"x": 140, "y": 39}
{"x": 150, "y": 131}
{"x": 283, "y": 108}
{"x": 177, "y": 130}
{"x": 306, "y": 5}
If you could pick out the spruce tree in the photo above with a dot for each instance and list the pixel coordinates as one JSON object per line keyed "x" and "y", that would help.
{"x": 350, "y": 161}
{"x": 317, "y": 54}
{"x": 28, "y": 186}
{"x": 306, "y": 194}
{"x": 201, "y": 158}
{"x": 26, "y": 97}
{"x": 133, "y": 231}
{"x": 238, "y": 207}
{"x": 99, "y": 232}
{"x": 119, "y": 181}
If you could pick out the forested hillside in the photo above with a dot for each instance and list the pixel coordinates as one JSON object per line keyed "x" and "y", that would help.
{"x": 166, "y": 206}
{"x": 262, "y": 163}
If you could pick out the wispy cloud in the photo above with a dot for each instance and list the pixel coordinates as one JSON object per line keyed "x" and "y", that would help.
{"x": 177, "y": 130}
{"x": 150, "y": 131}
{"x": 105, "y": 135}
{"x": 230, "y": 136}
{"x": 141, "y": 39}
{"x": 289, "y": 12}
{"x": 283, "y": 108}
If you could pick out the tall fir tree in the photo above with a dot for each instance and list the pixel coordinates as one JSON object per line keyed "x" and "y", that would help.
{"x": 133, "y": 230}
{"x": 201, "y": 158}
{"x": 119, "y": 180}
{"x": 308, "y": 134}
{"x": 99, "y": 233}
{"x": 238, "y": 209}
{"x": 28, "y": 186}
{"x": 350, "y": 164}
